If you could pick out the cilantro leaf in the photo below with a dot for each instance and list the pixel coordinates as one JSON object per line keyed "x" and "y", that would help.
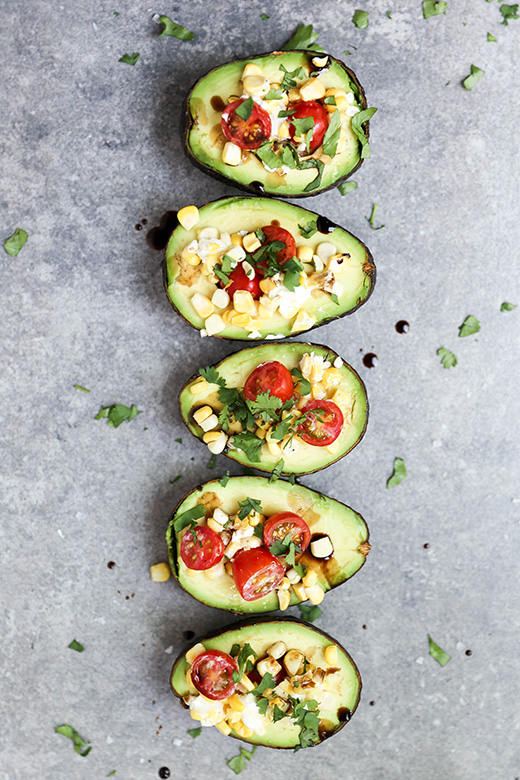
{"x": 262, "y": 705}
{"x": 304, "y": 386}
{"x": 388, "y": 14}
{"x": 469, "y": 326}
{"x": 335, "y": 298}
{"x": 278, "y": 713}
{"x": 491, "y": 38}
{"x": 130, "y": 59}
{"x": 179, "y": 440}
{"x": 79, "y": 387}
{"x": 356, "y": 124}
{"x": 112, "y": 773}
{"x": 475, "y": 76}
{"x": 306, "y": 716}
{"x": 74, "y": 645}
{"x": 266, "y": 683}
{"x": 309, "y": 612}
{"x": 78, "y": 742}
{"x": 432, "y": 8}
{"x": 508, "y": 306}
{"x": 508, "y": 12}
{"x": 194, "y": 733}
{"x": 399, "y": 473}
{"x": 277, "y": 471}
{"x": 15, "y": 242}
{"x": 266, "y": 406}
{"x": 309, "y": 229}
{"x": 290, "y": 76}
{"x": 280, "y": 546}
{"x": 175, "y": 30}
{"x": 291, "y": 273}
{"x": 312, "y": 163}
{"x": 175, "y": 479}
{"x": 448, "y": 359}
{"x": 436, "y": 652}
{"x": 370, "y": 219}
{"x": 303, "y": 37}
{"x": 211, "y": 375}
{"x": 264, "y": 17}
{"x": 117, "y": 413}
{"x": 238, "y": 763}
{"x": 331, "y": 138}
{"x": 274, "y": 94}
{"x": 290, "y": 558}
{"x": 360, "y": 19}
{"x": 243, "y": 658}
{"x": 245, "y": 109}
{"x": 292, "y": 479}
{"x": 186, "y": 518}
{"x": 267, "y": 156}
{"x": 249, "y": 444}
{"x": 347, "y": 186}
{"x": 283, "y": 428}
{"x": 224, "y": 480}
{"x": 249, "y": 505}
{"x": 302, "y": 125}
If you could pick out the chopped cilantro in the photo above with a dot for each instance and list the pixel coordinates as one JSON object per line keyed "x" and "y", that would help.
{"x": 175, "y": 479}
{"x": 211, "y": 462}
{"x": 243, "y": 657}
{"x": 290, "y": 558}
{"x": 211, "y": 375}
{"x": 448, "y": 359}
{"x": 509, "y": 12}
{"x": 335, "y": 298}
{"x": 432, "y": 8}
{"x": 309, "y": 229}
{"x": 247, "y": 506}
{"x": 267, "y": 156}
{"x": 491, "y": 38}
{"x": 224, "y": 480}
{"x": 309, "y": 612}
{"x": 290, "y": 76}
{"x": 388, "y": 14}
{"x": 356, "y": 124}
{"x": 304, "y": 37}
{"x": 330, "y": 100}
{"x": 264, "y": 17}
{"x": 436, "y": 652}
{"x": 75, "y": 645}
{"x": 262, "y": 705}
{"x": 292, "y": 479}
{"x": 312, "y": 163}
{"x": 112, "y": 773}
{"x": 224, "y": 269}
{"x": 175, "y": 30}
{"x": 280, "y": 546}
{"x": 474, "y": 77}
{"x": 186, "y": 518}
{"x": 292, "y": 270}
{"x": 508, "y": 306}
{"x": 117, "y": 413}
{"x": 179, "y": 440}
{"x": 304, "y": 385}
{"x": 347, "y": 186}
{"x": 245, "y": 109}
{"x": 278, "y": 713}
{"x": 266, "y": 683}
{"x": 274, "y": 94}
{"x": 306, "y": 716}
{"x": 78, "y": 742}
{"x": 399, "y": 473}
{"x": 194, "y": 733}
{"x": 15, "y": 242}
{"x": 360, "y": 19}
{"x": 238, "y": 763}
{"x": 265, "y": 406}
{"x": 277, "y": 471}
{"x": 370, "y": 219}
{"x": 331, "y": 137}
{"x": 130, "y": 59}
{"x": 116, "y": 13}
{"x": 347, "y": 51}
{"x": 79, "y": 387}
{"x": 470, "y": 326}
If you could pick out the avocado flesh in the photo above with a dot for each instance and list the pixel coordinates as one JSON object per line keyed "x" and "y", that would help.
{"x": 205, "y": 140}
{"x": 229, "y": 215}
{"x": 307, "y": 458}
{"x": 296, "y": 635}
{"x": 346, "y": 529}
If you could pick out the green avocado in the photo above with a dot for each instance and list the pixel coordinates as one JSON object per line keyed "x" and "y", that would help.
{"x": 298, "y": 456}
{"x": 342, "y": 679}
{"x": 346, "y": 529}
{"x": 356, "y": 274}
{"x": 205, "y": 141}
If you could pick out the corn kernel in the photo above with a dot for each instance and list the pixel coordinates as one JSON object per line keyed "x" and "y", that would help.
{"x": 294, "y": 95}
{"x": 300, "y": 591}
{"x": 231, "y": 154}
{"x": 260, "y": 433}
{"x": 320, "y": 62}
{"x": 214, "y": 324}
{"x": 266, "y": 285}
{"x": 251, "y": 242}
{"x": 277, "y": 650}
{"x": 331, "y": 655}
{"x": 232, "y": 549}
{"x": 313, "y": 89}
{"x": 274, "y": 448}
{"x": 341, "y": 104}
{"x": 209, "y": 423}
{"x": 191, "y": 258}
{"x": 223, "y": 727}
{"x": 236, "y": 703}
{"x": 199, "y": 386}
{"x": 256, "y": 85}
{"x": 236, "y": 253}
{"x": 236, "y": 239}
{"x": 242, "y": 730}
{"x": 292, "y": 661}
{"x": 209, "y": 232}
{"x": 211, "y": 436}
{"x": 310, "y": 578}
{"x": 218, "y": 446}
{"x": 315, "y": 594}
{"x": 268, "y": 665}
{"x": 248, "y": 684}
{"x": 252, "y": 69}
{"x": 304, "y": 253}
{"x": 202, "y": 305}
{"x": 201, "y": 414}
{"x": 220, "y": 516}
{"x": 160, "y": 572}
{"x": 284, "y": 599}
{"x": 194, "y": 652}
{"x": 214, "y": 525}
{"x": 188, "y": 217}
{"x": 241, "y": 320}
{"x": 293, "y": 576}
{"x": 228, "y": 316}
{"x": 317, "y": 392}
{"x": 220, "y": 299}
{"x": 243, "y": 302}
{"x": 302, "y": 322}
{"x": 195, "y": 715}
{"x": 331, "y": 378}
{"x": 283, "y": 130}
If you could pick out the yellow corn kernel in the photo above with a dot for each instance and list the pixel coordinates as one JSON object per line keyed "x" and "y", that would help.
{"x": 320, "y": 62}
{"x": 247, "y": 683}
{"x": 202, "y": 305}
{"x": 214, "y": 324}
{"x": 214, "y": 524}
{"x": 294, "y": 95}
{"x": 310, "y": 578}
{"x": 243, "y": 302}
{"x": 331, "y": 655}
{"x": 228, "y": 316}
{"x": 264, "y": 313}
{"x": 300, "y": 591}
{"x": 241, "y": 320}
{"x": 313, "y": 89}
{"x": 191, "y": 258}
{"x": 277, "y": 650}
{"x": 223, "y": 727}
{"x": 202, "y": 414}
{"x": 220, "y": 299}
{"x": 228, "y": 566}
{"x": 283, "y": 130}
{"x": 334, "y": 447}
{"x": 188, "y": 679}
{"x": 315, "y": 594}
{"x": 266, "y": 285}
{"x": 331, "y": 378}
{"x": 188, "y": 217}
{"x": 260, "y": 433}
{"x": 317, "y": 391}
{"x": 236, "y": 239}
{"x": 284, "y": 599}
{"x": 254, "y": 518}
{"x": 195, "y": 715}
{"x": 251, "y": 242}
{"x": 199, "y": 386}
{"x": 211, "y": 436}
{"x": 252, "y": 69}
{"x": 236, "y": 703}
{"x": 274, "y": 448}
{"x": 236, "y": 253}
{"x": 302, "y": 322}
{"x": 256, "y": 85}
{"x": 160, "y": 572}
{"x": 304, "y": 253}
{"x": 231, "y": 154}
{"x": 194, "y": 652}
{"x": 242, "y": 730}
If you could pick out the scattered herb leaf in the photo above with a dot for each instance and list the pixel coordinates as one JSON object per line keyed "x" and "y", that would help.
{"x": 175, "y": 479}
{"x": 79, "y": 387}
{"x": 117, "y": 413}
{"x": 249, "y": 444}
{"x": 491, "y": 38}
{"x": 356, "y": 124}
{"x": 211, "y": 375}
{"x": 175, "y": 30}
{"x": 243, "y": 657}
{"x": 399, "y": 473}
{"x": 15, "y": 242}
{"x": 274, "y": 94}
{"x": 475, "y": 76}
{"x": 266, "y": 406}
{"x": 469, "y": 326}
{"x": 194, "y": 733}
{"x": 112, "y": 773}
{"x": 310, "y": 612}
{"x": 508, "y": 12}
{"x": 306, "y": 715}
{"x": 309, "y": 229}
{"x": 78, "y": 742}
{"x": 224, "y": 480}
{"x": 186, "y": 518}
{"x": 277, "y": 471}
{"x": 508, "y": 306}
{"x": 245, "y": 109}
{"x": 331, "y": 137}
{"x": 304, "y": 37}
{"x": 436, "y": 652}
{"x": 264, "y": 17}
{"x": 267, "y": 682}
{"x": 75, "y": 645}
{"x": 262, "y": 705}
{"x": 278, "y": 714}
{"x": 360, "y": 19}
{"x": 335, "y": 298}
{"x": 249, "y": 505}
{"x": 370, "y": 219}
{"x": 347, "y": 186}
{"x": 431, "y": 8}
{"x": 292, "y": 479}
{"x": 179, "y": 440}
{"x": 388, "y": 14}
{"x": 130, "y": 59}
{"x": 212, "y": 461}
{"x": 448, "y": 359}
{"x": 238, "y": 763}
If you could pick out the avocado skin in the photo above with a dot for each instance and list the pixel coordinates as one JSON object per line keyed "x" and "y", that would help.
{"x": 256, "y": 188}
{"x": 258, "y": 466}
{"x": 234, "y": 627}
{"x": 330, "y": 226}
{"x": 171, "y": 543}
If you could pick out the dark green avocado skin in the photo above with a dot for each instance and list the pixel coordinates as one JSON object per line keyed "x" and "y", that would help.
{"x": 234, "y": 627}
{"x": 256, "y": 187}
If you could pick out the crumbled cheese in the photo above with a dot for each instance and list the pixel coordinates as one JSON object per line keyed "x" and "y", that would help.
{"x": 274, "y": 336}
{"x": 251, "y": 717}
{"x": 288, "y": 303}
{"x": 338, "y": 362}
{"x": 255, "y": 334}
{"x": 211, "y": 712}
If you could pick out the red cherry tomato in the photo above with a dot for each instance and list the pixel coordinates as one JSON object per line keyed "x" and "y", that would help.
{"x": 279, "y": 525}
{"x": 321, "y": 121}
{"x": 203, "y": 551}
{"x": 212, "y": 674}
{"x": 275, "y": 233}
{"x": 246, "y": 133}
{"x": 240, "y": 281}
{"x": 256, "y": 572}
{"x": 271, "y": 377}
{"x": 323, "y": 427}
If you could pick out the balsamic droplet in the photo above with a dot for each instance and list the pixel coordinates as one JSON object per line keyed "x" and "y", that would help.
{"x": 157, "y": 237}
{"x": 144, "y": 222}
{"x": 469, "y": 652}
{"x": 402, "y": 326}
{"x": 371, "y": 703}
{"x": 188, "y": 635}
{"x": 217, "y": 104}
{"x": 111, "y": 564}
{"x": 164, "y": 773}
{"x": 257, "y": 186}
{"x": 426, "y": 546}
{"x": 364, "y": 625}
{"x": 325, "y": 225}
{"x": 275, "y": 223}
{"x": 344, "y": 714}
{"x": 370, "y": 360}
{"x": 138, "y": 226}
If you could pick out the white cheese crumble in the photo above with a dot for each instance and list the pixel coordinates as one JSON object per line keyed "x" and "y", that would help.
{"x": 211, "y": 712}
{"x": 250, "y": 716}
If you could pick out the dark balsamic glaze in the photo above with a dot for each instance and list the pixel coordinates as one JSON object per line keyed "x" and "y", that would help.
{"x": 325, "y": 225}
{"x": 157, "y": 237}
{"x": 257, "y": 186}
{"x": 371, "y": 703}
{"x": 344, "y": 714}
{"x": 188, "y": 635}
{"x": 216, "y": 103}
{"x": 370, "y": 360}
{"x": 138, "y": 226}
{"x": 275, "y": 223}
{"x": 164, "y": 773}
{"x": 364, "y": 625}
{"x": 469, "y": 652}
{"x": 426, "y": 546}
{"x": 111, "y": 564}
{"x": 402, "y": 326}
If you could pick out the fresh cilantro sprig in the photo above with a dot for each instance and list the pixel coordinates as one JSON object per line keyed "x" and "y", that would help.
{"x": 78, "y": 742}
{"x": 242, "y": 655}
{"x": 175, "y": 30}
{"x": 290, "y": 76}
{"x": 432, "y": 8}
{"x": 249, "y": 444}
{"x": 265, "y": 406}
{"x": 448, "y": 359}
{"x": 508, "y": 12}
{"x": 303, "y": 37}
{"x": 15, "y": 242}
{"x": 331, "y": 137}
{"x": 306, "y": 715}
{"x": 130, "y": 59}
{"x": 247, "y": 506}
{"x": 310, "y": 612}
{"x": 470, "y": 326}
{"x": 370, "y": 219}
{"x": 280, "y": 546}
{"x": 117, "y": 413}
{"x": 277, "y": 471}
{"x": 238, "y": 763}
{"x": 266, "y": 683}
{"x": 309, "y": 229}
{"x": 357, "y": 125}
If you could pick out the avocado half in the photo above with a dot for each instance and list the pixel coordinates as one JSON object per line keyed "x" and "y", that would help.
{"x": 345, "y": 527}
{"x": 261, "y": 633}
{"x": 357, "y": 274}
{"x": 307, "y": 458}
{"x": 204, "y": 140}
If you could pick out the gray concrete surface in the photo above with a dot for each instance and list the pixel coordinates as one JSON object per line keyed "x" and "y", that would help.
{"x": 89, "y": 147}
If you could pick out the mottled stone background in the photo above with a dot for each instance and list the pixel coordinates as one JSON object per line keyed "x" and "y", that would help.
{"x": 89, "y": 147}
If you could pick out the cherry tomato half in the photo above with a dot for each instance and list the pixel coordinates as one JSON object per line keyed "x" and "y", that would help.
{"x": 246, "y": 133}
{"x": 323, "y": 427}
{"x": 212, "y": 674}
{"x": 279, "y": 525}
{"x": 321, "y": 121}
{"x": 203, "y": 551}
{"x": 256, "y": 572}
{"x": 271, "y": 377}
{"x": 275, "y": 233}
{"x": 240, "y": 281}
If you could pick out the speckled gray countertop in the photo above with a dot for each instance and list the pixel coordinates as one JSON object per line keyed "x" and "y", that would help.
{"x": 89, "y": 148}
